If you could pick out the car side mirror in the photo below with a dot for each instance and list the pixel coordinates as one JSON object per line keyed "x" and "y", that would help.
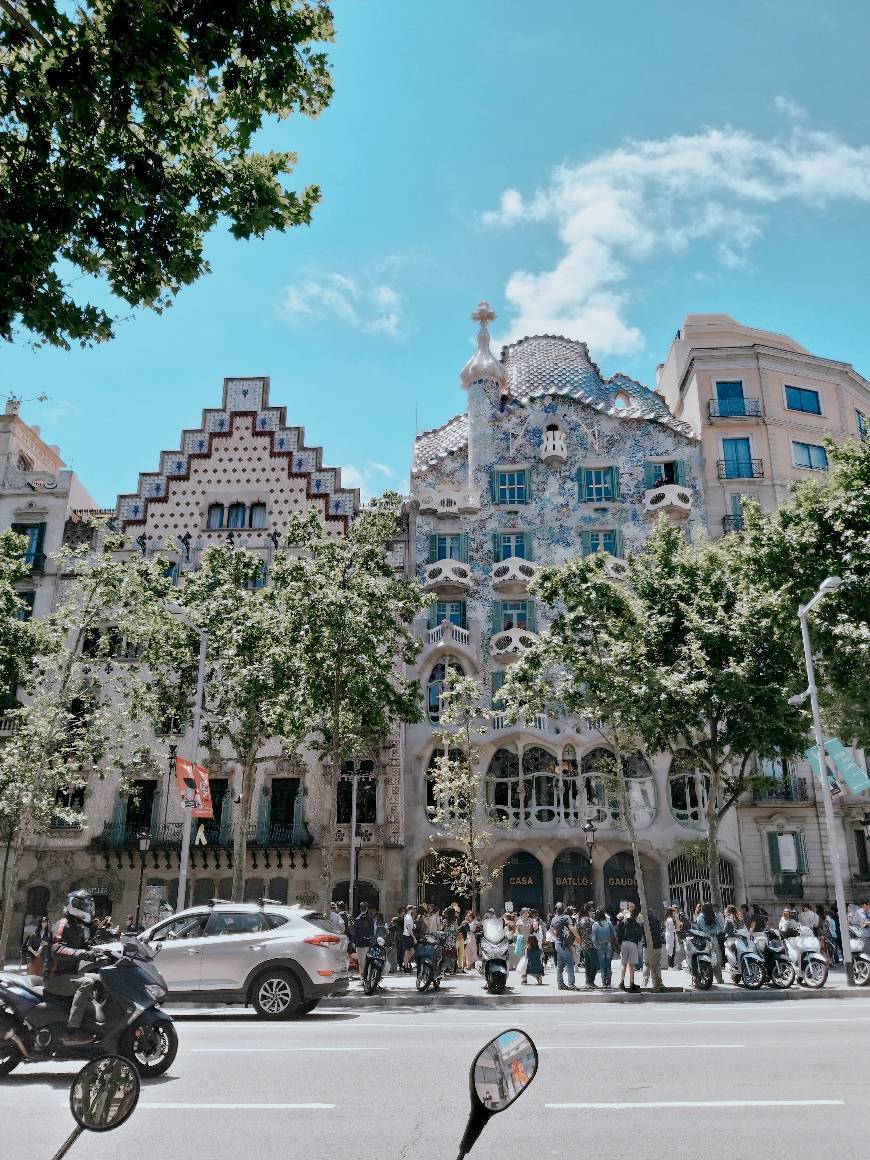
{"x": 103, "y": 1095}
{"x": 501, "y": 1072}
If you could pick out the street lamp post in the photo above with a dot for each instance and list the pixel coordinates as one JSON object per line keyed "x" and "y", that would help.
{"x": 830, "y": 585}
{"x": 181, "y": 613}
{"x": 351, "y": 885}
{"x": 144, "y": 846}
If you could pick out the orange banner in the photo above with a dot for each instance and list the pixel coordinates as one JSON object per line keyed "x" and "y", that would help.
{"x": 193, "y": 785}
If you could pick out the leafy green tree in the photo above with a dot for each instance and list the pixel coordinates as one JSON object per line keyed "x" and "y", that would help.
{"x": 458, "y": 795}
{"x": 590, "y": 663}
{"x": 126, "y": 132}
{"x": 74, "y": 721}
{"x": 824, "y": 531}
{"x": 716, "y": 669}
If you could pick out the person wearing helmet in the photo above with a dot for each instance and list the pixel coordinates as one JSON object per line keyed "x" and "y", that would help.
{"x": 65, "y": 975}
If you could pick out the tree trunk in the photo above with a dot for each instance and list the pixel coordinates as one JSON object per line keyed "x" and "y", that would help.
{"x": 13, "y": 867}
{"x": 240, "y": 830}
{"x": 327, "y": 837}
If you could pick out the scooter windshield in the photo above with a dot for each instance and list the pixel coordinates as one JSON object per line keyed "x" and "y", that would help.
{"x": 493, "y": 930}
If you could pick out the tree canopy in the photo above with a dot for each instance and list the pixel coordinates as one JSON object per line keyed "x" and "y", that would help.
{"x": 126, "y": 132}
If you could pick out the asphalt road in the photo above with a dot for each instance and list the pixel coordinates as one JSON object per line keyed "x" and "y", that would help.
{"x": 777, "y": 1080}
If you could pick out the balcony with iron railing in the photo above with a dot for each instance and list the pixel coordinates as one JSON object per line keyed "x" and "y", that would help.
{"x": 740, "y": 469}
{"x": 734, "y": 408}
{"x": 732, "y": 523}
{"x": 35, "y": 561}
{"x": 788, "y": 885}
{"x": 788, "y": 789}
{"x": 124, "y": 836}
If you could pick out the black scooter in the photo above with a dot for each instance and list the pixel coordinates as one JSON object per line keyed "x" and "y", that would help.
{"x": 125, "y": 1016}
{"x": 430, "y": 961}
{"x": 376, "y": 959}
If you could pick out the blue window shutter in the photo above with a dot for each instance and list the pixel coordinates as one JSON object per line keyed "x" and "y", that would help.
{"x": 496, "y": 616}
{"x": 773, "y": 850}
{"x": 619, "y": 544}
{"x": 263, "y": 818}
{"x": 580, "y": 484}
{"x": 528, "y": 475}
{"x": 155, "y": 813}
{"x": 226, "y": 815}
{"x": 119, "y": 814}
{"x": 801, "y": 849}
{"x": 497, "y": 682}
{"x": 650, "y": 475}
{"x": 586, "y": 543}
{"x": 681, "y": 472}
{"x": 529, "y": 545}
{"x": 433, "y": 549}
{"x": 493, "y": 485}
{"x": 433, "y": 613}
{"x": 463, "y": 547}
{"x": 496, "y": 547}
{"x": 531, "y": 616}
{"x": 614, "y": 482}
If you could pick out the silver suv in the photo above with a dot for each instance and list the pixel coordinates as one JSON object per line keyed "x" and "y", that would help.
{"x": 281, "y": 959}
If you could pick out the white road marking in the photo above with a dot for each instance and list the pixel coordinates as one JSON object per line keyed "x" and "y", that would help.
{"x": 236, "y": 1050}
{"x": 197, "y": 1107}
{"x": 515, "y": 1016}
{"x": 640, "y": 1046}
{"x": 704, "y": 1104}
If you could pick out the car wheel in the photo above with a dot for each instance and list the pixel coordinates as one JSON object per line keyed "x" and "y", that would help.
{"x": 861, "y": 972}
{"x": 276, "y": 995}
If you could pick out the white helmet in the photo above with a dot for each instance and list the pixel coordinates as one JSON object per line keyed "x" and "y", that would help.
{"x": 80, "y": 905}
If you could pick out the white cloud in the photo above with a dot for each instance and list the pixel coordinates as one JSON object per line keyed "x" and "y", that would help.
{"x": 370, "y": 479}
{"x": 369, "y": 304}
{"x": 715, "y": 189}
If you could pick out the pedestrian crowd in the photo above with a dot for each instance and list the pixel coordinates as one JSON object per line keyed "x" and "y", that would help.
{"x": 578, "y": 941}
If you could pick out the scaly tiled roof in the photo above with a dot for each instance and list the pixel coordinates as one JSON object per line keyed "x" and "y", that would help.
{"x": 545, "y": 365}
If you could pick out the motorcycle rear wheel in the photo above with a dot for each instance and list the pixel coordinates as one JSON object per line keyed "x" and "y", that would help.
{"x": 704, "y": 976}
{"x": 496, "y": 984}
{"x": 861, "y": 972}
{"x": 753, "y": 974}
{"x": 816, "y": 974}
{"x": 424, "y": 977}
{"x": 782, "y": 975}
{"x": 151, "y": 1049}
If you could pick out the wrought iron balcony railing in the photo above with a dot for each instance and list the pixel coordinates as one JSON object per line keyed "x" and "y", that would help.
{"x": 788, "y": 886}
{"x": 732, "y": 523}
{"x": 734, "y": 408}
{"x": 741, "y": 469}
{"x": 116, "y": 836}
{"x": 790, "y": 789}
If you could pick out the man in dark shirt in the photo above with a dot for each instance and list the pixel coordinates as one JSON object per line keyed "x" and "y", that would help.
{"x": 64, "y": 975}
{"x": 363, "y": 935}
{"x": 629, "y": 934}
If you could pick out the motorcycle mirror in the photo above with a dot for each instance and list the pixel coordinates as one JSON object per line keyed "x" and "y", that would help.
{"x": 501, "y": 1072}
{"x": 103, "y": 1095}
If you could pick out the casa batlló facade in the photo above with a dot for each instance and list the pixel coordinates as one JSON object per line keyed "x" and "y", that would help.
{"x": 549, "y": 461}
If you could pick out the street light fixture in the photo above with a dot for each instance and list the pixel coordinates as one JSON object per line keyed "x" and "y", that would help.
{"x": 144, "y": 847}
{"x": 831, "y": 584}
{"x": 589, "y": 834}
{"x": 180, "y": 613}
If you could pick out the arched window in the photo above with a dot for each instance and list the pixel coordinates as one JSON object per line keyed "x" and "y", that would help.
{"x": 687, "y": 790}
{"x": 258, "y": 515}
{"x": 539, "y": 774}
{"x": 448, "y": 668}
{"x": 216, "y": 515}
{"x": 236, "y": 513}
{"x": 569, "y": 786}
{"x": 598, "y": 769}
{"x": 503, "y": 788}
{"x": 432, "y": 802}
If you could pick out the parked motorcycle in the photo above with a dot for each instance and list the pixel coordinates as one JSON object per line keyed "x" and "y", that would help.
{"x": 698, "y": 948}
{"x": 124, "y": 1017}
{"x": 778, "y": 970}
{"x": 430, "y": 961}
{"x": 494, "y": 955}
{"x": 860, "y": 957}
{"x": 810, "y": 965}
{"x": 744, "y": 960}
{"x": 376, "y": 960}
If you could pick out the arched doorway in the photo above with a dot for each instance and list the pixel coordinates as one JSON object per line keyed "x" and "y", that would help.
{"x": 689, "y": 882}
{"x": 620, "y": 882}
{"x": 523, "y": 881}
{"x": 435, "y": 881}
{"x": 363, "y": 892}
{"x": 572, "y": 878}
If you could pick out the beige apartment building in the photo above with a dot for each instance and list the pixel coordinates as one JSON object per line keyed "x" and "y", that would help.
{"x": 763, "y": 406}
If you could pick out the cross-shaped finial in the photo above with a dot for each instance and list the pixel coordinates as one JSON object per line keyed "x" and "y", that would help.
{"x": 484, "y": 314}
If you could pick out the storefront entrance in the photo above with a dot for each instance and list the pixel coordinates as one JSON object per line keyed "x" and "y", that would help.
{"x": 523, "y": 881}
{"x": 572, "y": 878}
{"x": 620, "y": 882}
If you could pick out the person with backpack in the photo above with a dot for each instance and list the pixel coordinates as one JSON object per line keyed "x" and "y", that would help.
{"x": 563, "y": 939}
{"x": 629, "y": 934}
{"x": 604, "y": 941}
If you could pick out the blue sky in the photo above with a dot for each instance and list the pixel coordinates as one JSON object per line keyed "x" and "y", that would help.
{"x": 592, "y": 170}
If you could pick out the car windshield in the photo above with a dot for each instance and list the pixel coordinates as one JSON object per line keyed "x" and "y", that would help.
{"x": 185, "y": 926}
